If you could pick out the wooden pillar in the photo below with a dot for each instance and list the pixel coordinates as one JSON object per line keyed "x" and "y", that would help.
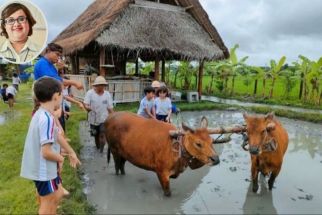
{"x": 163, "y": 71}
{"x": 157, "y": 70}
{"x": 102, "y": 62}
{"x": 73, "y": 61}
{"x": 201, "y": 65}
{"x": 77, "y": 63}
{"x": 137, "y": 67}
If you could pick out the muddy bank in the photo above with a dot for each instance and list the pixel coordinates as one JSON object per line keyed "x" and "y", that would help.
{"x": 220, "y": 189}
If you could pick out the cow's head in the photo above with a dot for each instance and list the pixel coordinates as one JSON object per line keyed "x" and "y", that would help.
{"x": 198, "y": 144}
{"x": 259, "y": 131}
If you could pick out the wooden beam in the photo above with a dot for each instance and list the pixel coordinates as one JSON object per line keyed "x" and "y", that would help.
{"x": 201, "y": 65}
{"x": 163, "y": 71}
{"x": 176, "y": 1}
{"x": 188, "y": 7}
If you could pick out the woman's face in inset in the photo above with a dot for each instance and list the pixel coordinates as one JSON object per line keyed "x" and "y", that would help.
{"x": 18, "y": 31}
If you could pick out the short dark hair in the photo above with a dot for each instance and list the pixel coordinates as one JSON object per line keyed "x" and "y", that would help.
{"x": 15, "y": 75}
{"x": 148, "y": 89}
{"x": 163, "y": 89}
{"x": 53, "y": 47}
{"x": 10, "y": 9}
{"x": 5, "y": 85}
{"x": 45, "y": 88}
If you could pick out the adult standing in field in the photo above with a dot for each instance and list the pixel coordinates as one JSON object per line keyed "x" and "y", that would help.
{"x": 46, "y": 67}
{"x": 16, "y": 25}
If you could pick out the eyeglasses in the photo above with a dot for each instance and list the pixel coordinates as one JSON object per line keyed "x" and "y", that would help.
{"x": 11, "y": 21}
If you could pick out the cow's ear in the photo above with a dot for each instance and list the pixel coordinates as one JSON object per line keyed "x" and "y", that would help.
{"x": 270, "y": 126}
{"x": 187, "y": 128}
{"x": 204, "y": 122}
{"x": 270, "y": 116}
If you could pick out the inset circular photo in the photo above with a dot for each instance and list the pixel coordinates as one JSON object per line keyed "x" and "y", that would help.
{"x": 23, "y": 30}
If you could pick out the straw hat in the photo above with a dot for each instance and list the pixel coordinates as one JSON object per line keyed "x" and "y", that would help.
{"x": 100, "y": 80}
{"x": 155, "y": 84}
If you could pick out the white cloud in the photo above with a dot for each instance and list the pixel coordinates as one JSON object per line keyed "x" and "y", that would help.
{"x": 264, "y": 29}
{"x": 269, "y": 29}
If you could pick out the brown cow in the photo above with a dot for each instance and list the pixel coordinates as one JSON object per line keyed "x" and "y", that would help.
{"x": 147, "y": 144}
{"x": 268, "y": 142}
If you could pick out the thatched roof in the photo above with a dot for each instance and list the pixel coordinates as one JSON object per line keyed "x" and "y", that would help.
{"x": 121, "y": 24}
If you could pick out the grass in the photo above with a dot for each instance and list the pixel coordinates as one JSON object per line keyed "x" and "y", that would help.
{"x": 17, "y": 195}
{"x": 245, "y": 92}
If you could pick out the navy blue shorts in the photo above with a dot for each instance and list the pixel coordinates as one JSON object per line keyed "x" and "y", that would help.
{"x": 162, "y": 117}
{"x": 47, "y": 187}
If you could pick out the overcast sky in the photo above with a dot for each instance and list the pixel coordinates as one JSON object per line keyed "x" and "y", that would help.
{"x": 264, "y": 29}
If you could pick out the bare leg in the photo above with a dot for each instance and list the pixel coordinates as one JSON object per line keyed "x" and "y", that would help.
{"x": 49, "y": 203}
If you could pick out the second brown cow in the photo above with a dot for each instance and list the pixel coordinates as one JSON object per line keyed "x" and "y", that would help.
{"x": 268, "y": 142}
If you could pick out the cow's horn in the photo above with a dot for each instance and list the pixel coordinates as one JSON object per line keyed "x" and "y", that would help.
{"x": 176, "y": 133}
{"x": 225, "y": 130}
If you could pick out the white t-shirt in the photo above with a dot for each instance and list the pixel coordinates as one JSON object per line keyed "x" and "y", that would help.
{"x": 12, "y": 90}
{"x": 145, "y": 104}
{"x": 99, "y": 105}
{"x": 42, "y": 130}
{"x": 16, "y": 80}
{"x": 162, "y": 107}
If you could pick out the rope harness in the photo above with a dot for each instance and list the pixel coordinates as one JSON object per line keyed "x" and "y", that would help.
{"x": 267, "y": 146}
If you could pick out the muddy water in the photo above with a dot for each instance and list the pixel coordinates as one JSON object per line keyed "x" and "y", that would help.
{"x": 220, "y": 189}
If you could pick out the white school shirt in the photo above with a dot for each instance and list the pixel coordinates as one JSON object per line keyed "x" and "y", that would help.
{"x": 12, "y": 90}
{"x": 42, "y": 130}
{"x": 145, "y": 104}
{"x": 99, "y": 105}
{"x": 162, "y": 107}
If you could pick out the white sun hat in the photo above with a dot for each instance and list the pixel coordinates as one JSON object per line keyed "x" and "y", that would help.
{"x": 100, "y": 80}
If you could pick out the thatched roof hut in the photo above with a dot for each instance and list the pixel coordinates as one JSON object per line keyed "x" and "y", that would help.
{"x": 116, "y": 31}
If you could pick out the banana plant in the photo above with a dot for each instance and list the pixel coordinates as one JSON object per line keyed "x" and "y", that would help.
{"x": 235, "y": 65}
{"x": 258, "y": 73}
{"x": 303, "y": 69}
{"x": 275, "y": 71}
{"x": 214, "y": 70}
{"x": 314, "y": 77}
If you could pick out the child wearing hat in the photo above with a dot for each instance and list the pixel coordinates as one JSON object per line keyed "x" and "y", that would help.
{"x": 99, "y": 104}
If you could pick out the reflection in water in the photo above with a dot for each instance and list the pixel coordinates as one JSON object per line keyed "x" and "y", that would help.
{"x": 259, "y": 203}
